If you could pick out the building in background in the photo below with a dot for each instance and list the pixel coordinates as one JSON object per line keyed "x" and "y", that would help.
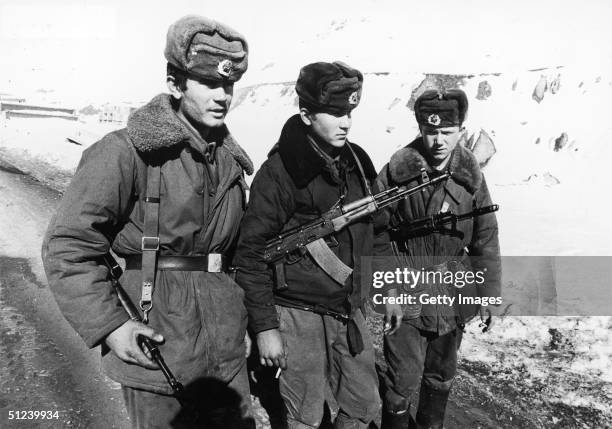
{"x": 116, "y": 113}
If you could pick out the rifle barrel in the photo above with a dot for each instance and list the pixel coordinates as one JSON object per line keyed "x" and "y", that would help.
{"x": 434, "y": 221}
{"x": 406, "y": 192}
{"x": 479, "y": 212}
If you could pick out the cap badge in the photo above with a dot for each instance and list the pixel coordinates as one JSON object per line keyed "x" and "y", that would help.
{"x": 225, "y": 67}
{"x": 354, "y": 98}
{"x": 433, "y": 119}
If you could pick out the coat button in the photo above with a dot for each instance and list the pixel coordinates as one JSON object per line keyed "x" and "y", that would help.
{"x": 200, "y": 191}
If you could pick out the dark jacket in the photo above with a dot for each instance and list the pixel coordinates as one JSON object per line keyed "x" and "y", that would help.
{"x": 200, "y": 315}
{"x": 477, "y": 237}
{"x": 296, "y": 185}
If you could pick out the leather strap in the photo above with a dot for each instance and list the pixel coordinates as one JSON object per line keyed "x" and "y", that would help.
{"x": 150, "y": 239}
{"x": 361, "y": 171}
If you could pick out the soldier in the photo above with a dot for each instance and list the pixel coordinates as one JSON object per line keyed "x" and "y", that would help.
{"x": 167, "y": 194}
{"x": 314, "y": 328}
{"x": 426, "y": 343}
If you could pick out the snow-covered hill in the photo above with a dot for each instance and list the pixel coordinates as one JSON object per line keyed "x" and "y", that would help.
{"x": 549, "y": 129}
{"x": 525, "y": 113}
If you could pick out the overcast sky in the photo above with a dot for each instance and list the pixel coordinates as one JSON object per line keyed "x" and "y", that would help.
{"x": 113, "y": 50}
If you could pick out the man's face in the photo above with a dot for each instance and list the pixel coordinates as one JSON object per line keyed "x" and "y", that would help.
{"x": 205, "y": 103}
{"x": 331, "y": 129}
{"x": 440, "y": 142}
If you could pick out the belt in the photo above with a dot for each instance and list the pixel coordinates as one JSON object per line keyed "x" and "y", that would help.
{"x": 353, "y": 335}
{"x": 212, "y": 263}
{"x": 341, "y": 317}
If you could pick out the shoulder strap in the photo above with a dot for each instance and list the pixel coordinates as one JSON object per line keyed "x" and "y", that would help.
{"x": 150, "y": 238}
{"x": 361, "y": 171}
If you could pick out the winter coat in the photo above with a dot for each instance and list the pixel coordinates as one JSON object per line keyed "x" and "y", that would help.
{"x": 474, "y": 242}
{"x": 200, "y": 314}
{"x": 296, "y": 185}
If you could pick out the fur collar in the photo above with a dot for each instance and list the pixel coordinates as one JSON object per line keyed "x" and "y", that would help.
{"x": 303, "y": 162}
{"x": 155, "y": 126}
{"x": 406, "y": 164}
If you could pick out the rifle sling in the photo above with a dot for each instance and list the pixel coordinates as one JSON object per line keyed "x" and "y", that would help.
{"x": 320, "y": 251}
{"x": 364, "y": 179}
{"x": 150, "y": 239}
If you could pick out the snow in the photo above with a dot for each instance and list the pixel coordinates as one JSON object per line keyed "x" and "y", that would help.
{"x": 70, "y": 53}
{"x": 45, "y": 113}
{"x": 39, "y": 146}
{"x": 523, "y": 347}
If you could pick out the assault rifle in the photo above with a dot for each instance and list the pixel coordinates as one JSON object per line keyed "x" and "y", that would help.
{"x": 115, "y": 273}
{"x": 434, "y": 222}
{"x": 310, "y": 236}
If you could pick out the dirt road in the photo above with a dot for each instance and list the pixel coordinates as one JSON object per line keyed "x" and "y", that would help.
{"x": 44, "y": 365}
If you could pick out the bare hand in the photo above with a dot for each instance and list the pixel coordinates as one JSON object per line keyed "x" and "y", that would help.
{"x": 393, "y": 318}
{"x": 123, "y": 341}
{"x": 271, "y": 350}
{"x": 487, "y": 317}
